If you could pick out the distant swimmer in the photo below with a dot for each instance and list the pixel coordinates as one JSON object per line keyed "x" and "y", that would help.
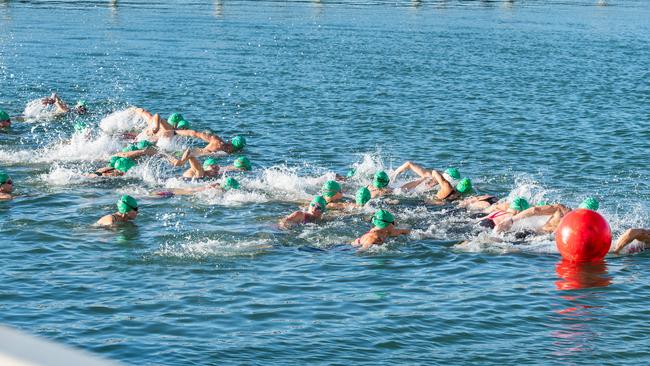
{"x": 227, "y": 185}
{"x": 313, "y": 214}
{"x": 446, "y": 191}
{"x": 215, "y": 143}
{"x": 117, "y": 167}
{"x": 630, "y": 235}
{"x": 555, "y": 211}
{"x": 5, "y": 120}
{"x": 379, "y": 186}
{"x": 496, "y": 217}
{"x": 127, "y": 210}
{"x": 383, "y": 228}
{"x": 6, "y": 186}
{"x": 158, "y": 127}
{"x": 80, "y": 108}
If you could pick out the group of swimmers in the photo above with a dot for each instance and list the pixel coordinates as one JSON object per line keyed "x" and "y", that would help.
{"x": 499, "y": 215}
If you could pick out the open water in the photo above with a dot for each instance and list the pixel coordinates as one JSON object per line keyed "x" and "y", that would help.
{"x": 546, "y": 99}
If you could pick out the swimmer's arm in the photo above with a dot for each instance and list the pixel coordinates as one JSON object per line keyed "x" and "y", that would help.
{"x": 143, "y": 113}
{"x": 107, "y": 220}
{"x": 413, "y": 167}
{"x": 196, "y": 166}
{"x": 197, "y": 135}
{"x": 398, "y": 232}
{"x": 338, "y": 205}
{"x": 5, "y": 197}
{"x": 413, "y": 184}
{"x": 291, "y": 219}
{"x": 60, "y": 105}
{"x": 629, "y": 236}
{"x": 445, "y": 187}
{"x": 536, "y": 211}
{"x": 137, "y": 153}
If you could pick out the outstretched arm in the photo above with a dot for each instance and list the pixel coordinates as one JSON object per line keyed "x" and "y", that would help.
{"x": 397, "y": 232}
{"x": 197, "y": 135}
{"x": 61, "y": 107}
{"x": 536, "y": 211}
{"x": 413, "y": 184}
{"x": 182, "y": 160}
{"x": 196, "y": 166}
{"x": 413, "y": 167}
{"x": 136, "y": 154}
{"x": 629, "y": 236}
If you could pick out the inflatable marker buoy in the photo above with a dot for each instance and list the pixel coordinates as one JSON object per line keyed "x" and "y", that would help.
{"x": 583, "y": 236}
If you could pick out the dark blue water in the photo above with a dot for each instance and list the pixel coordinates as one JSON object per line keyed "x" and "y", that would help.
{"x": 549, "y": 100}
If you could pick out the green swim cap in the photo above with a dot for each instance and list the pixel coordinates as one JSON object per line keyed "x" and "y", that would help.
{"x": 351, "y": 173}
{"x": 238, "y": 142}
{"x": 519, "y": 204}
{"x": 542, "y": 203}
{"x": 144, "y": 144}
{"x": 590, "y": 203}
{"x": 381, "y": 179}
{"x": 124, "y": 164}
{"x": 81, "y": 103}
{"x": 464, "y": 186}
{"x": 330, "y": 188}
{"x": 126, "y": 204}
{"x": 363, "y": 196}
{"x": 209, "y": 162}
{"x": 243, "y": 163}
{"x": 319, "y": 201}
{"x": 113, "y": 160}
{"x": 230, "y": 183}
{"x": 3, "y": 116}
{"x": 130, "y": 147}
{"x": 4, "y": 177}
{"x": 382, "y": 219}
{"x": 182, "y": 125}
{"x": 174, "y": 118}
{"x": 79, "y": 126}
{"x": 453, "y": 172}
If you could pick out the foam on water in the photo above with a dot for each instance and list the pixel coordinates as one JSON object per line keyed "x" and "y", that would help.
{"x": 35, "y": 111}
{"x": 125, "y": 120}
{"x": 222, "y": 247}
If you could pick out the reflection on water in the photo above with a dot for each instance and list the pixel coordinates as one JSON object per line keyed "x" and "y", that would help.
{"x": 575, "y": 276}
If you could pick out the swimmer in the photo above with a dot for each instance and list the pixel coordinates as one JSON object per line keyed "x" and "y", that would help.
{"x": 158, "y": 127}
{"x": 313, "y": 214}
{"x": 215, "y": 143}
{"x": 5, "y": 120}
{"x": 208, "y": 169}
{"x": 127, "y": 210}
{"x": 556, "y": 212}
{"x": 61, "y": 108}
{"x": 332, "y": 193}
{"x": 495, "y": 218}
{"x": 383, "y": 227}
{"x": 630, "y": 235}
{"x": 379, "y": 186}
{"x": 228, "y": 184}
{"x": 349, "y": 175}
{"x": 484, "y": 202}
{"x": 139, "y": 149}
{"x": 361, "y": 198}
{"x": 432, "y": 178}
{"x": 6, "y": 186}
{"x": 117, "y": 167}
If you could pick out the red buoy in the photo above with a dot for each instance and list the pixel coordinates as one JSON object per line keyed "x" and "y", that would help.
{"x": 583, "y": 236}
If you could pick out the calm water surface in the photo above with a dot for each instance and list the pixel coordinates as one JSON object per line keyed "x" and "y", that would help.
{"x": 546, "y": 99}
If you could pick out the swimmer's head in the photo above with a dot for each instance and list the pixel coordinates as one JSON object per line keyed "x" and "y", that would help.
{"x": 81, "y": 107}
{"x": 238, "y": 142}
{"x": 128, "y": 205}
{"x": 590, "y": 203}
{"x": 182, "y": 125}
{"x": 318, "y": 203}
{"x": 130, "y": 147}
{"x": 351, "y": 173}
{"x": 330, "y": 189}
{"x": 5, "y": 120}
{"x": 211, "y": 165}
{"x": 381, "y": 179}
{"x": 453, "y": 173}
{"x": 143, "y": 145}
{"x": 124, "y": 164}
{"x": 382, "y": 219}
{"x": 113, "y": 160}
{"x": 464, "y": 186}
{"x": 80, "y": 126}
{"x": 243, "y": 163}
{"x": 519, "y": 204}
{"x": 174, "y": 118}
{"x": 230, "y": 183}
{"x": 6, "y": 184}
{"x": 363, "y": 196}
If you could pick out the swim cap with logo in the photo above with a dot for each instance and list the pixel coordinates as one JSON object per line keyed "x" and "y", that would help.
{"x": 238, "y": 142}
{"x": 519, "y": 204}
{"x": 320, "y": 202}
{"x": 464, "y": 186}
{"x": 4, "y": 177}
{"x": 363, "y": 196}
{"x": 590, "y": 203}
{"x": 230, "y": 183}
{"x": 126, "y": 204}
{"x": 4, "y": 116}
{"x": 144, "y": 144}
{"x": 182, "y": 125}
{"x": 124, "y": 164}
{"x": 351, "y": 173}
{"x": 382, "y": 219}
{"x": 381, "y": 179}
{"x": 453, "y": 173}
{"x": 79, "y": 126}
{"x": 242, "y": 163}
{"x": 174, "y": 118}
{"x": 330, "y": 188}
{"x": 130, "y": 147}
{"x": 209, "y": 162}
